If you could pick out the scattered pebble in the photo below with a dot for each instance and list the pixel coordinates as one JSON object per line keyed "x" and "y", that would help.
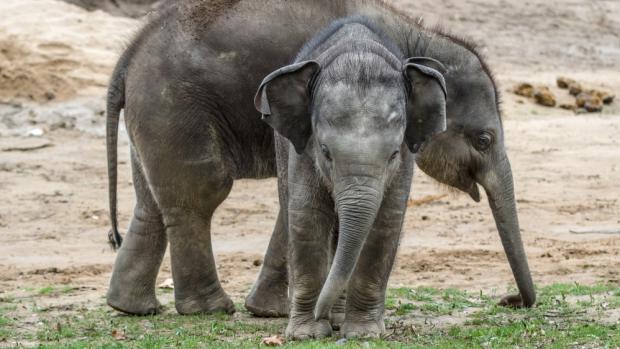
{"x": 35, "y": 132}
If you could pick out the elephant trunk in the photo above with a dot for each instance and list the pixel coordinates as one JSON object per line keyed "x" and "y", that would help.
{"x": 357, "y": 202}
{"x": 499, "y": 187}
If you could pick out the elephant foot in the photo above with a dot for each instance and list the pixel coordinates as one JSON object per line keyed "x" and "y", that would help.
{"x": 309, "y": 328}
{"x": 337, "y": 315}
{"x": 131, "y": 303}
{"x": 363, "y": 329}
{"x": 336, "y": 320}
{"x": 511, "y": 301}
{"x": 268, "y": 298}
{"x": 205, "y": 304}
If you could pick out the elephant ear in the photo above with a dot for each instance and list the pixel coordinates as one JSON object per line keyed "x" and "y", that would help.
{"x": 283, "y": 99}
{"x": 426, "y": 106}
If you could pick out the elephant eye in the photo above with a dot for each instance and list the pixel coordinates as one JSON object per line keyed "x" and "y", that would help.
{"x": 326, "y": 152}
{"x": 484, "y": 140}
{"x": 394, "y": 155}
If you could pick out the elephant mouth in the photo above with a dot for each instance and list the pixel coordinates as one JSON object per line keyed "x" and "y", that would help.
{"x": 424, "y": 145}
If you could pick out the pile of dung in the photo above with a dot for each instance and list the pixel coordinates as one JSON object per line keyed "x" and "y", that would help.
{"x": 586, "y": 100}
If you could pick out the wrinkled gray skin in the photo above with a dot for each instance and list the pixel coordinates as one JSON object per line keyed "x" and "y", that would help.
{"x": 344, "y": 113}
{"x": 187, "y": 85}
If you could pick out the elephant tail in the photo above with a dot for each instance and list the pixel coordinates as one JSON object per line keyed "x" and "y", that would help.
{"x": 115, "y": 103}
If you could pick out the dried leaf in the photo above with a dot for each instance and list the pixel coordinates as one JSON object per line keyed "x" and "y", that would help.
{"x": 118, "y": 335}
{"x": 273, "y": 341}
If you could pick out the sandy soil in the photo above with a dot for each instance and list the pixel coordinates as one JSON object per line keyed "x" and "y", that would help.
{"x": 55, "y": 62}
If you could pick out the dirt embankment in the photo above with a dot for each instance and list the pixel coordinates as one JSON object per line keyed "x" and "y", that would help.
{"x": 52, "y": 51}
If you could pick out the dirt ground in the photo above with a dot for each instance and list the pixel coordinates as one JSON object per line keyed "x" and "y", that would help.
{"x": 54, "y": 65}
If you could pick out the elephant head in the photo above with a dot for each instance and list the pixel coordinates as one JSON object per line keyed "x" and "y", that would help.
{"x": 471, "y": 152}
{"x": 354, "y": 117}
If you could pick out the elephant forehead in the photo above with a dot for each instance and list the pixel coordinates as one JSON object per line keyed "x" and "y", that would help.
{"x": 360, "y": 147}
{"x": 343, "y": 104}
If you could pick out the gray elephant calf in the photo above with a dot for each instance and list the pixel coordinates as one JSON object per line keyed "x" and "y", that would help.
{"x": 347, "y": 105}
{"x": 187, "y": 82}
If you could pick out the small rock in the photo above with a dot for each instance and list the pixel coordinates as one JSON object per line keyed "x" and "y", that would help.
{"x": 49, "y": 95}
{"x": 564, "y": 82}
{"x": 524, "y": 89}
{"x": 35, "y": 132}
{"x": 341, "y": 341}
{"x": 544, "y": 96}
{"x": 257, "y": 262}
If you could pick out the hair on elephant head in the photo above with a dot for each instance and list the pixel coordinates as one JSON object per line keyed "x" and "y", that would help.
{"x": 354, "y": 114}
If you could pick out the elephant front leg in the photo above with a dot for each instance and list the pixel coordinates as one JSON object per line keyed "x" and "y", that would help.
{"x": 366, "y": 292}
{"x": 365, "y": 302}
{"x": 309, "y": 229}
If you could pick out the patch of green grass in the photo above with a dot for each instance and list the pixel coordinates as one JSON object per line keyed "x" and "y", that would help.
{"x": 405, "y": 308}
{"x": 430, "y": 301}
{"x": 5, "y": 322}
{"x": 46, "y": 291}
{"x": 576, "y": 289}
{"x": 165, "y": 290}
{"x": 53, "y": 290}
{"x": 567, "y": 315}
{"x": 67, "y": 289}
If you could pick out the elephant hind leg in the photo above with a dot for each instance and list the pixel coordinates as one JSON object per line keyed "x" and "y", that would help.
{"x": 197, "y": 289}
{"x": 188, "y": 194}
{"x": 269, "y": 295}
{"x": 132, "y": 287}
